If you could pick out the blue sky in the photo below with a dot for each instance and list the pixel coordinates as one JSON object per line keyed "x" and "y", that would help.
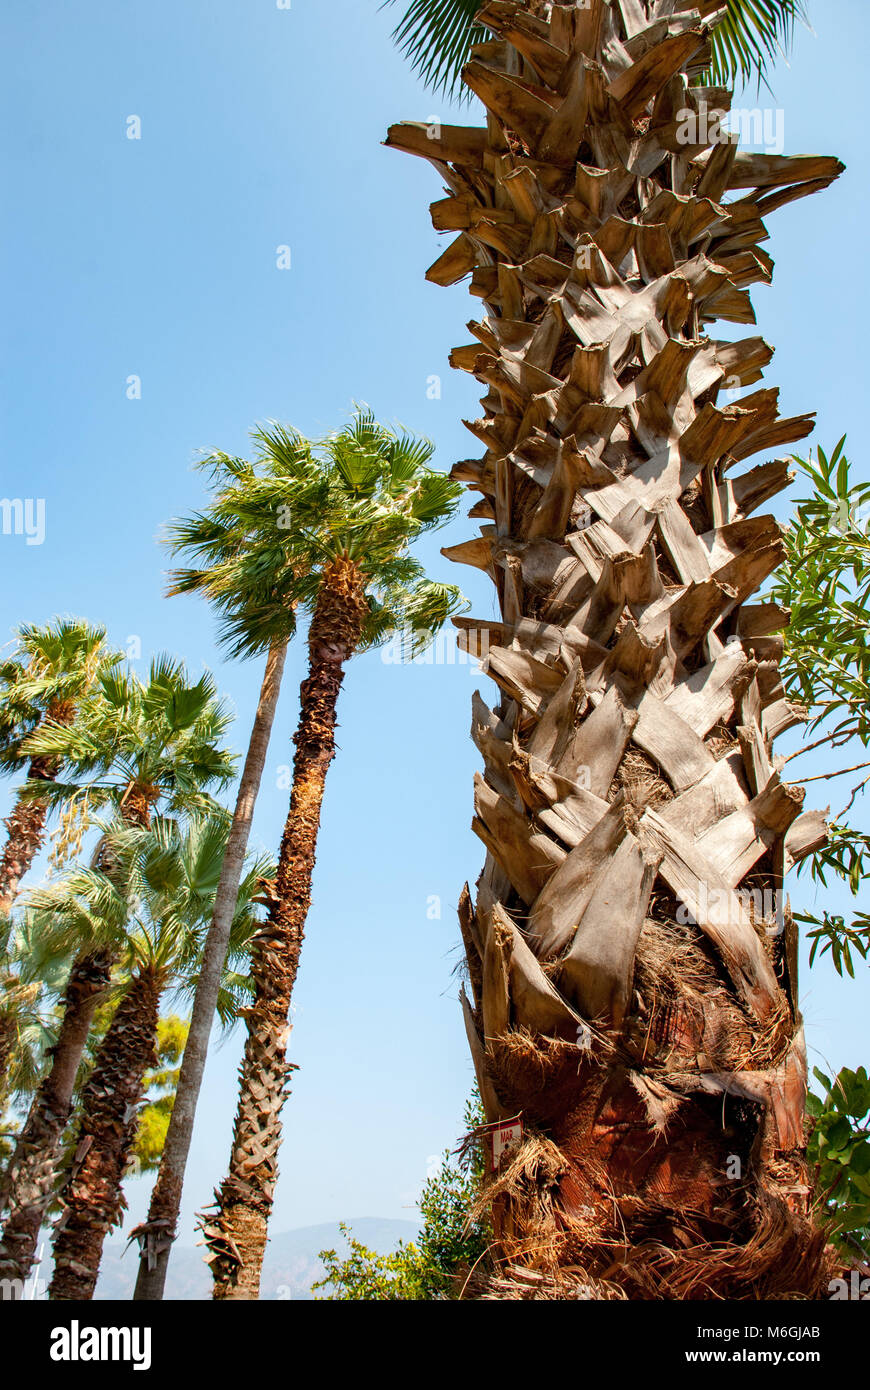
{"x": 157, "y": 258}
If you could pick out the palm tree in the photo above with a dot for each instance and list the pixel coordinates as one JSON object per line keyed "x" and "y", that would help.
{"x": 352, "y": 571}
{"x": 134, "y": 745}
{"x": 52, "y": 669}
{"x": 244, "y": 571}
{"x": 156, "y": 923}
{"x": 634, "y": 996}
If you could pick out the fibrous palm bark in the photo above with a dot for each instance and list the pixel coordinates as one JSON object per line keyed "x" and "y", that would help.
{"x": 158, "y": 1232}
{"x": 236, "y": 1232}
{"x": 25, "y": 825}
{"x": 634, "y": 987}
{"x": 92, "y": 1196}
{"x": 7, "y": 1038}
{"x": 25, "y": 828}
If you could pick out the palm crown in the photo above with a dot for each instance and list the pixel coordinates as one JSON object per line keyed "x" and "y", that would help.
{"x": 52, "y": 668}
{"x": 136, "y": 743}
{"x": 437, "y": 35}
{"x": 365, "y": 493}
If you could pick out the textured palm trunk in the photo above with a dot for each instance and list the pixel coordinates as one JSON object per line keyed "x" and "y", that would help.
{"x": 92, "y": 1197}
{"x": 7, "y": 1038}
{"x": 28, "y": 1182}
{"x": 158, "y": 1232}
{"x": 26, "y": 834}
{"x": 236, "y": 1233}
{"x": 633, "y": 976}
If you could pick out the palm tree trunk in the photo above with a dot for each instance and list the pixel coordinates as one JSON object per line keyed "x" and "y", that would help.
{"x": 158, "y": 1232}
{"x": 92, "y": 1196}
{"x": 236, "y": 1235}
{"x": 28, "y": 1181}
{"x": 634, "y": 991}
{"x": 26, "y": 833}
{"x": 7, "y": 1037}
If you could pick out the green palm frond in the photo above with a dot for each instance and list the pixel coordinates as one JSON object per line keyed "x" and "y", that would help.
{"x": 436, "y": 36}
{"x": 51, "y": 671}
{"x": 163, "y": 736}
{"x": 751, "y": 37}
{"x": 33, "y": 972}
{"x": 153, "y": 909}
{"x": 416, "y": 613}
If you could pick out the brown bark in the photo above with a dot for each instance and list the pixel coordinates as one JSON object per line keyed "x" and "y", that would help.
{"x": 26, "y": 833}
{"x": 158, "y": 1232}
{"x": 92, "y": 1196}
{"x": 28, "y": 1182}
{"x": 236, "y": 1234}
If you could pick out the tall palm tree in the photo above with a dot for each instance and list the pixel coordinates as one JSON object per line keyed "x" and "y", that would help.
{"x": 634, "y": 994}
{"x": 136, "y": 745}
{"x": 353, "y": 573}
{"x": 155, "y": 921}
{"x": 51, "y": 670}
{"x": 245, "y": 571}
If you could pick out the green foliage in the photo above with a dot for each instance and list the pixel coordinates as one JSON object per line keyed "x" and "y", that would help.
{"x": 52, "y": 667}
{"x": 839, "y": 1146}
{"x": 272, "y": 525}
{"x": 825, "y": 582}
{"x": 33, "y": 972}
{"x": 153, "y": 909}
{"x": 159, "y": 739}
{"x": 834, "y": 937}
{"x": 750, "y": 38}
{"x": 448, "y": 1246}
{"x": 437, "y": 36}
{"x": 159, "y": 1086}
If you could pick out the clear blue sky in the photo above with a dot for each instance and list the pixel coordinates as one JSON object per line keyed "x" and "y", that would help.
{"x": 261, "y": 127}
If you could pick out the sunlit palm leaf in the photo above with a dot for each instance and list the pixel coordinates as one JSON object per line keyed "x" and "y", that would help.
{"x": 749, "y": 40}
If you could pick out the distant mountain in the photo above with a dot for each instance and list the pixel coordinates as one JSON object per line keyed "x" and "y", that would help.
{"x": 290, "y": 1268}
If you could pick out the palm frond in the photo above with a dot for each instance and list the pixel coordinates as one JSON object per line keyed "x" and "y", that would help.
{"x": 436, "y": 36}
{"x": 750, "y": 38}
